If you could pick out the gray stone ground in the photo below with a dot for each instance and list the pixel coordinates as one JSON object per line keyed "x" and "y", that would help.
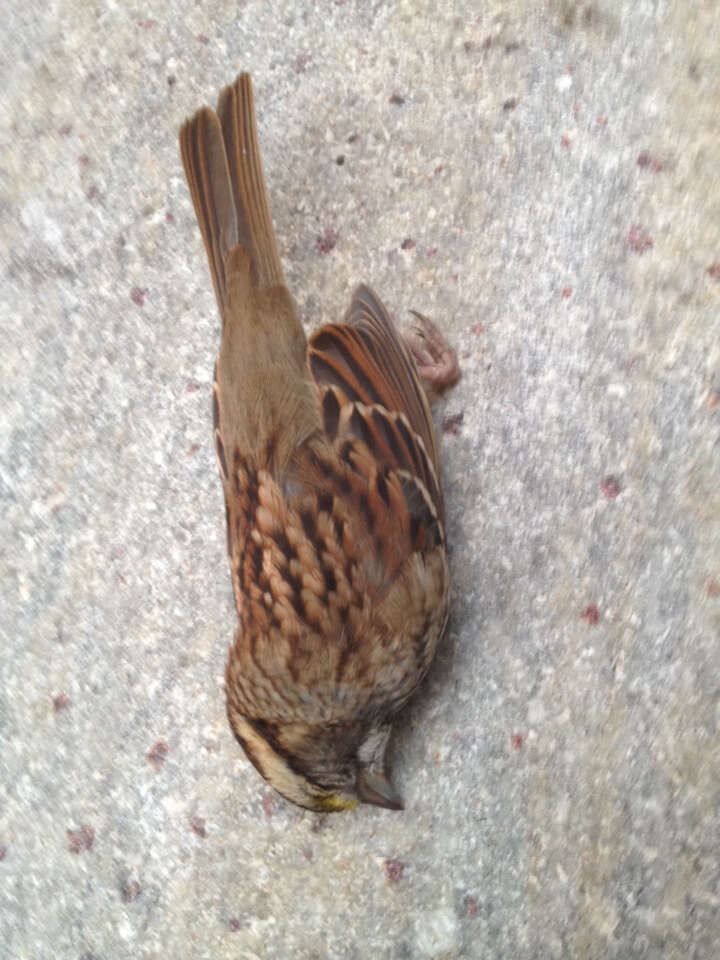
{"x": 543, "y": 180}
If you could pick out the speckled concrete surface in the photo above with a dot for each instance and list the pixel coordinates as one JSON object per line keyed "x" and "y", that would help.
{"x": 543, "y": 180}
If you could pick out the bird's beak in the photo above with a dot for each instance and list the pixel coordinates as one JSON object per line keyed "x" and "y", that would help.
{"x": 373, "y": 787}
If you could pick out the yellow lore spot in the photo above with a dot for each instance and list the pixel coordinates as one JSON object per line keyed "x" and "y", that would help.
{"x": 336, "y": 804}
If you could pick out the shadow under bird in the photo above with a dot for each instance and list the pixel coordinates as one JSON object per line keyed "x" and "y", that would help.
{"x": 335, "y": 525}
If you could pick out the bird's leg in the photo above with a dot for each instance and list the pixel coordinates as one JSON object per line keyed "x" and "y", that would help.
{"x": 436, "y": 361}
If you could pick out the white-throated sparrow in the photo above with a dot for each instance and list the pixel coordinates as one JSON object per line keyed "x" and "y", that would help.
{"x": 334, "y": 510}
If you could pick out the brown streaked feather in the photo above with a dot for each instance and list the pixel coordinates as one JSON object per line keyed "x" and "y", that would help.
{"x": 311, "y": 594}
{"x": 387, "y": 436}
{"x": 389, "y": 514}
{"x": 366, "y": 359}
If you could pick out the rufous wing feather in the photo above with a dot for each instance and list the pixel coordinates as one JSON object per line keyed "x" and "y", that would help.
{"x": 370, "y": 389}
